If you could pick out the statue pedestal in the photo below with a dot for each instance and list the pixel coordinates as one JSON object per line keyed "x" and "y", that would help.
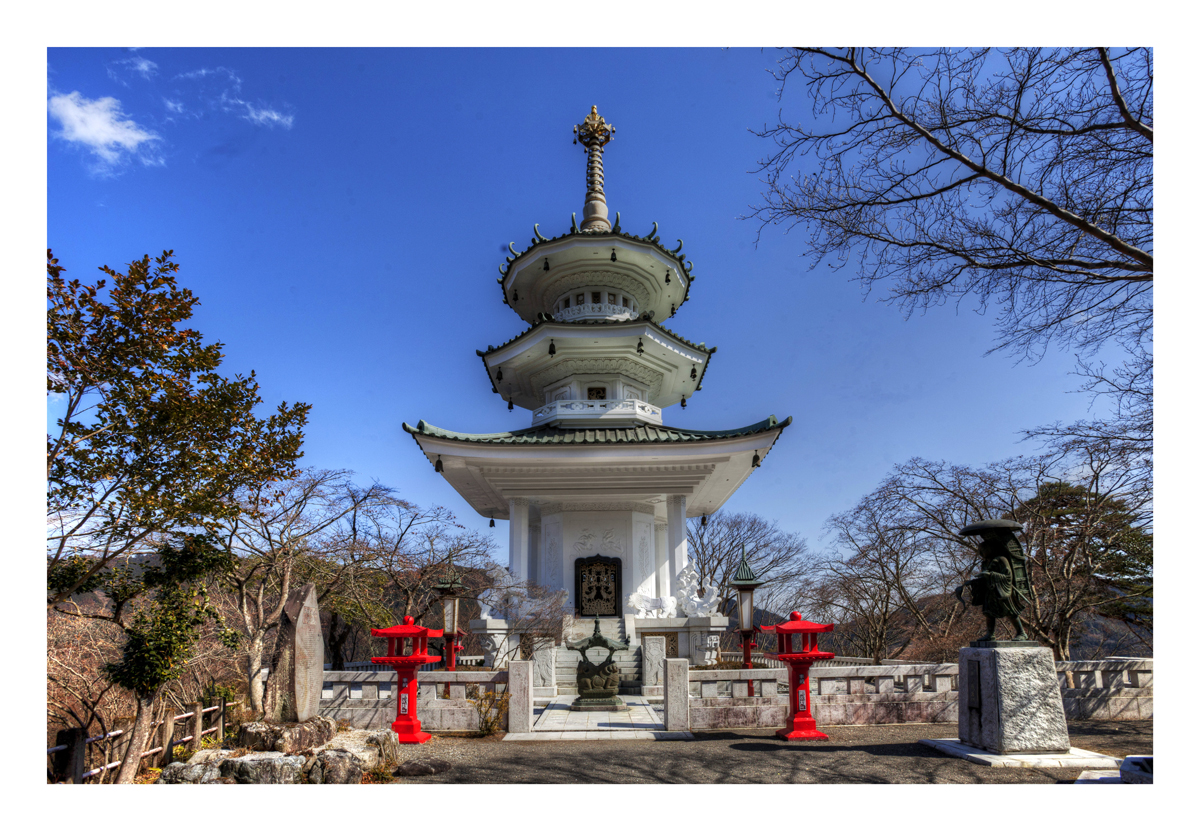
{"x": 1009, "y": 699}
{"x": 605, "y": 704}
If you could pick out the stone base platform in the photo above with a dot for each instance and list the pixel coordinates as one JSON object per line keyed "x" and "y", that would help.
{"x": 555, "y": 721}
{"x": 599, "y": 705}
{"x": 1072, "y": 758}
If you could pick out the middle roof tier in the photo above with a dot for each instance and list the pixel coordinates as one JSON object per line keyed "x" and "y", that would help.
{"x": 612, "y": 361}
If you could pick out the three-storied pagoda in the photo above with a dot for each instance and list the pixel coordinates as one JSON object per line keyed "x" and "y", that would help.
{"x": 598, "y": 488}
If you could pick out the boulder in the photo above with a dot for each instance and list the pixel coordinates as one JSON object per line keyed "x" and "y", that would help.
{"x": 372, "y": 748}
{"x": 333, "y": 767}
{"x": 267, "y": 768}
{"x": 286, "y": 738}
{"x": 202, "y": 768}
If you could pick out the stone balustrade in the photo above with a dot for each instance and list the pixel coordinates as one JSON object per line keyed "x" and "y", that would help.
{"x": 1113, "y": 689}
{"x": 592, "y": 311}
{"x": 446, "y": 701}
{"x": 578, "y": 410}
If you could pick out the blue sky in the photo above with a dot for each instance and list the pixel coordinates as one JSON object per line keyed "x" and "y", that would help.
{"x": 341, "y": 214}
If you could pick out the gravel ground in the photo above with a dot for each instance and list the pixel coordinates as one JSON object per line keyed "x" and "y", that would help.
{"x": 866, "y": 754}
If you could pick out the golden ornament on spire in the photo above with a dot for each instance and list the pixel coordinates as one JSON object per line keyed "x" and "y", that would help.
{"x": 593, "y": 130}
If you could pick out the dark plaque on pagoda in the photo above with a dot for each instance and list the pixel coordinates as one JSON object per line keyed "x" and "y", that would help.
{"x": 298, "y": 665}
{"x": 598, "y": 586}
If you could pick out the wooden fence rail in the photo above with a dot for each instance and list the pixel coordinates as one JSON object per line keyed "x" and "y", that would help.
{"x": 68, "y": 758}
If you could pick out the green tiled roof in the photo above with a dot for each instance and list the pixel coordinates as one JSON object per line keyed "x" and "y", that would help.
{"x": 699, "y": 347}
{"x": 642, "y": 434}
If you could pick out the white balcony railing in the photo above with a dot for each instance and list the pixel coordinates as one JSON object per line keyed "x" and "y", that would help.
{"x": 575, "y": 411}
{"x": 595, "y": 311}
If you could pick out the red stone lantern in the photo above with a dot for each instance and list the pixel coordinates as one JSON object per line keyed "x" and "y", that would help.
{"x": 802, "y": 725}
{"x": 408, "y": 651}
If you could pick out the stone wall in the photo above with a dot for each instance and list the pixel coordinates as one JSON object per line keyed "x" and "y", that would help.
{"x": 1115, "y": 689}
{"x": 445, "y": 700}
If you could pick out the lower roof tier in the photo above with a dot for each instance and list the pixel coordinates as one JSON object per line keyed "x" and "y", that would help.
{"x": 560, "y": 464}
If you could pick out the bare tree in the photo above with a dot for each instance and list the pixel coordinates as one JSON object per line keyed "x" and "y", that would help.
{"x": 897, "y": 553}
{"x": 777, "y": 557}
{"x": 315, "y": 518}
{"x": 1020, "y": 180}
{"x": 1023, "y": 177}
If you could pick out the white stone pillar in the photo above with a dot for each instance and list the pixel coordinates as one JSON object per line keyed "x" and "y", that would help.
{"x": 535, "y": 552}
{"x": 518, "y": 537}
{"x": 662, "y": 570}
{"x": 676, "y": 538}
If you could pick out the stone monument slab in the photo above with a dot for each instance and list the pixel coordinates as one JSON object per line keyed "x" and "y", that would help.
{"x": 298, "y": 664}
{"x": 654, "y": 651}
{"x": 1010, "y": 702}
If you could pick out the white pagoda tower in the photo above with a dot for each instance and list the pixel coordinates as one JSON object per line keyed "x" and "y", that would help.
{"x": 597, "y": 489}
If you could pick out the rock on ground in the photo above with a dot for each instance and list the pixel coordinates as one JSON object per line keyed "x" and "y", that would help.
{"x": 267, "y": 768}
{"x": 333, "y": 767}
{"x": 286, "y": 738}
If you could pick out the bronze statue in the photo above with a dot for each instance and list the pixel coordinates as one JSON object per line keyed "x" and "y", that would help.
{"x": 1002, "y": 587}
{"x": 598, "y": 684}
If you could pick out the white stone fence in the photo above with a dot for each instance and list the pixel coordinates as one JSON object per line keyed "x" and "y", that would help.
{"x": 446, "y": 701}
{"x": 704, "y": 699}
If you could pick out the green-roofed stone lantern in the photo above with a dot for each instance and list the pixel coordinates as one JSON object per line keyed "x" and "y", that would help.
{"x": 746, "y": 581}
{"x": 597, "y": 487}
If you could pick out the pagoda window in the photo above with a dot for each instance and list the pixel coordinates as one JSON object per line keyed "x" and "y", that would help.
{"x": 612, "y": 299}
{"x": 625, "y": 301}
{"x": 596, "y": 297}
{"x": 579, "y": 300}
{"x": 566, "y": 302}
{"x": 597, "y": 393}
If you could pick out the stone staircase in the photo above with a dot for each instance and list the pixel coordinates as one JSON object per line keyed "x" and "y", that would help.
{"x": 628, "y": 661}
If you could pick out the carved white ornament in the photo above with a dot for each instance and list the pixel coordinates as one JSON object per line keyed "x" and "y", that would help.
{"x": 651, "y": 607}
{"x": 645, "y": 552}
{"x": 608, "y": 540}
{"x": 690, "y": 604}
{"x": 553, "y": 553}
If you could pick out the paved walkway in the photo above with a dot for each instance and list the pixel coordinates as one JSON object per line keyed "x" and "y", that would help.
{"x": 555, "y": 721}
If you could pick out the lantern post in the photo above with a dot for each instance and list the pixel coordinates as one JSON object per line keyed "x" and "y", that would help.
{"x": 801, "y": 725}
{"x": 450, "y": 590}
{"x": 746, "y": 581}
{"x": 413, "y": 640}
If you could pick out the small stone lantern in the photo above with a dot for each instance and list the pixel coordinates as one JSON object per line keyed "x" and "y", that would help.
{"x": 802, "y": 726}
{"x": 450, "y": 590}
{"x": 408, "y": 651}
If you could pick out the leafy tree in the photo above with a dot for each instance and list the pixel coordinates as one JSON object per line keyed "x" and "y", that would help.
{"x": 152, "y": 439}
{"x": 1088, "y": 555}
{"x": 1020, "y": 180}
{"x": 160, "y": 608}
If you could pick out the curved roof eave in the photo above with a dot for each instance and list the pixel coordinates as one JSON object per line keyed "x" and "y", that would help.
{"x": 653, "y": 239}
{"x": 641, "y": 434}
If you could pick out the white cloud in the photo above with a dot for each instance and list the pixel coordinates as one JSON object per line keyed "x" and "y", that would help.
{"x": 266, "y": 117}
{"x": 100, "y": 126}
{"x": 200, "y": 74}
{"x": 137, "y": 65}
{"x": 173, "y": 106}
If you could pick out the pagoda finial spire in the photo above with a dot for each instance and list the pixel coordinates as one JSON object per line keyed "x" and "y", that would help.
{"x": 593, "y": 134}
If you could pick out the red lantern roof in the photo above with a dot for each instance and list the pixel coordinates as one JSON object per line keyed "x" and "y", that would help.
{"x": 796, "y": 625}
{"x": 407, "y": 629}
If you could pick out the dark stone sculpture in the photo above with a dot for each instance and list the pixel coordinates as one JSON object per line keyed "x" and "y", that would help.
{"x": 597, "y": 683}
{"x": 1002, "y": 587}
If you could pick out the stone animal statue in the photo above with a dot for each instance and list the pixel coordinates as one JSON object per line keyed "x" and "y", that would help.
{"x": 653, "y": 607}
{"x": 604, "y": 678}
{"x": 690, "y": 604}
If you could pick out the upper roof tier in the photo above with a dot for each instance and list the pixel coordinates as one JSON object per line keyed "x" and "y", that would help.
{"x": 547, "y": 277}
{"x": 595, "y": 272}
